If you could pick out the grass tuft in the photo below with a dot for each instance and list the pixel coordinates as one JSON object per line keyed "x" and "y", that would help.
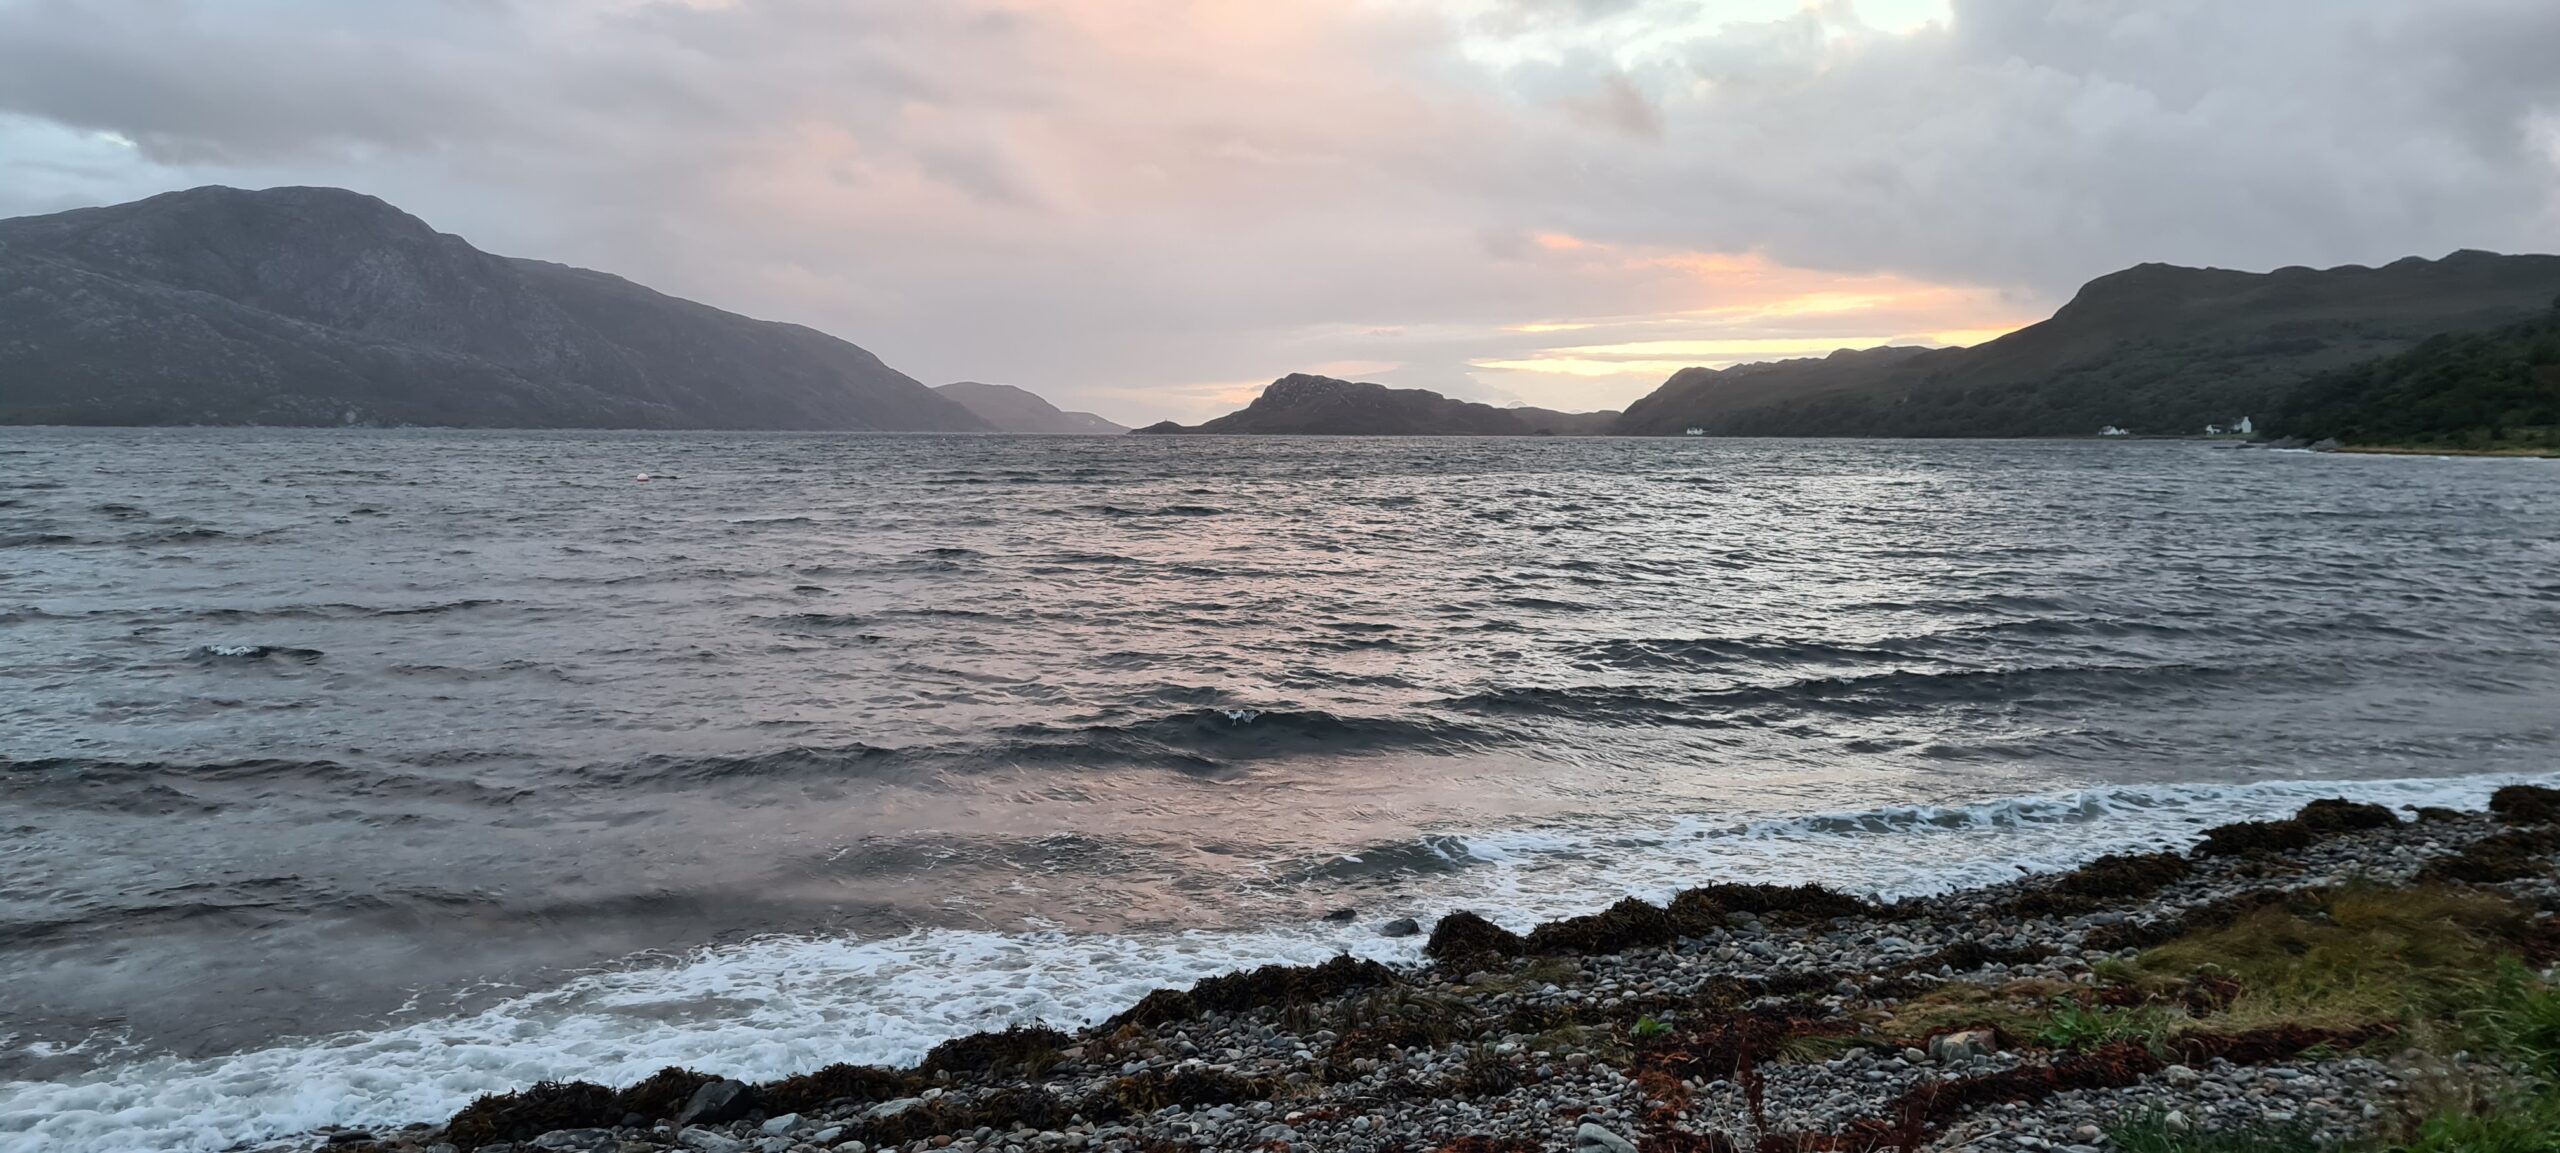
{"x": 2357, "y": 956}
{"x": 2081, "y": 1028}
{"x": 2152, "y": 1133}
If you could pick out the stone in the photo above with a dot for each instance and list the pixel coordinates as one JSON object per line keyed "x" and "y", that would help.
{"x": 826, "y": 1136}
{"x": 717, "y": 1102}
{"x": 1401, "y": 927}
{"x": 2180, "y": 1076}
{"x": 774, "y": 1145}
{"x": 778, "y": 1126}
{"x": 697, "y": 1137}
{"x": 1592, "y": 1138}
{"x": 352, "y": 1137}
{"x": 1962, "y": 1045}
{"x": 1342, "y": 916}
{"x": 892, "y": 1108}
{"x": 574, "y": 1139}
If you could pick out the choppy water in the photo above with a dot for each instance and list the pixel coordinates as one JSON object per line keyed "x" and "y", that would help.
{"x": 346, "y": 775}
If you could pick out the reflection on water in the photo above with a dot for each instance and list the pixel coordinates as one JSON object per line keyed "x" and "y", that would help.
{"x": 302, "y": 726}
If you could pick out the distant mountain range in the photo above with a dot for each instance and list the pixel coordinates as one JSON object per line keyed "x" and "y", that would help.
{"x": 1306, "y": 405}
{"x": 1012, "y": 409}
{"x": 318, "y": 306}
{"x": 2153, "y": 349}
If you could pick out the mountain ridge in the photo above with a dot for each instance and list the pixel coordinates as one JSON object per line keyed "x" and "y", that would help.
{"x": 2151, "y": 348}
{"x": 1013, "y": 409}
{"x": 321, "y": 306}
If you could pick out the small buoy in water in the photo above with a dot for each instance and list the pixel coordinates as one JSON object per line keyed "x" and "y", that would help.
{"x": 642, "y": 477}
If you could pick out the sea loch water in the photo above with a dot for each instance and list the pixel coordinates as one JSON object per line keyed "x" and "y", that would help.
{"x": 350, "y": 774}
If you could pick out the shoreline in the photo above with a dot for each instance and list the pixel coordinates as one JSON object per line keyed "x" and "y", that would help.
{"x": 2416, "y": 450}
{"x": 1735, "y": 1017}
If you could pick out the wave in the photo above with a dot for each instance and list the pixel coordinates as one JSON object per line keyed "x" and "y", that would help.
{"x": 247, "y": 654}
{"x": 1872, "y": 694}
{"x": 1210, "y": 738}
{"x": 183, "y": 534}
{"x": 158, "y": 787}
{"x": 775, "y": 1006}
{"x": 1113, "y": 510}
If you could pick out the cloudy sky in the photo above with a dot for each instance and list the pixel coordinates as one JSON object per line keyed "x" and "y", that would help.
{"x": 1151, "y": 207}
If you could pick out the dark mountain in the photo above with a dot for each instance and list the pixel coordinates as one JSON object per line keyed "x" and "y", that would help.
{"x": 2494, "y": 390}
{"x": 1303, "y": 405}
{"x": 2154, "y": 349}
{"x": 318, "y": 306}
{"x": 1012, "y": 409}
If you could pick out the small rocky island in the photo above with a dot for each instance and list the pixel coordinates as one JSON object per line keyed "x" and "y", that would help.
{"x": 2347, "y": 975}
{"x": 1301, "y": 404}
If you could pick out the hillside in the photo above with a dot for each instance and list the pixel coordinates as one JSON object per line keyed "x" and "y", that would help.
{"x": 2497, "y": 390}
{"x": 318, "y": 306}
{"x": 2154, "y": 349}
{"x": 1011, "y": 409}
{"x": 1304, "y": 405}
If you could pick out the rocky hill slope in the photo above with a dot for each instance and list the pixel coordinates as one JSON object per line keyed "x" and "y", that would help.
{"x": 318, "y": 306}
{"x": 2153, "y": 349}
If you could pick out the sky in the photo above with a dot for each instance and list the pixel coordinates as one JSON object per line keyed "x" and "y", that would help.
{"x": 1150, "y": 208}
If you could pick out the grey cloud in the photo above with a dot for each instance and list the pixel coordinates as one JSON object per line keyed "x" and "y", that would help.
{"x": 1088, "y": 196}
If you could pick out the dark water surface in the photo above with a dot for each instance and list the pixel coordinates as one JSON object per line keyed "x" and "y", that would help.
{"x": 298, "y": 728}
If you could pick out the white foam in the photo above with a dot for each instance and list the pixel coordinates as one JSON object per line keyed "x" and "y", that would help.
{"x": 772, "y": 1007}
{"x": 1537, "y": 874}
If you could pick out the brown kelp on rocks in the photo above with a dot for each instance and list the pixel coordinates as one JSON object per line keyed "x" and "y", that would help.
{"x": 2308, "y": 980}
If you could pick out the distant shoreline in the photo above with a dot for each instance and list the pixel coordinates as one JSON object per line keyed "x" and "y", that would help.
{"x": 2420, "y": 450}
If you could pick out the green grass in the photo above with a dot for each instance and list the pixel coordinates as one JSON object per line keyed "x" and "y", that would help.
{"x": 2530, "y": 1126}
{"x": 2152, "y": 1133}
{"x": 2522, "y": 1020}
{"x": 2358, "y": 955}
{"x": 2077, "y": 1027}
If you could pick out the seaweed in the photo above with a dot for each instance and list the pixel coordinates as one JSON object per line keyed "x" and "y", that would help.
{"x": 530, "y": 1113}
{"x": 663, "y": 1094}
{"x": 2506, "y": 856}
{"x": 2339, "y": 815}
{"x": 1463, "y": 940}
{"x": 1162, "y": 1007}
{"x": 1798, "y": 904}
{"x": 1273, "y": 985}
{"x": 862, "y": 1084}
{"x": 1021, "y": 1048}
{"x": 2254, "y": 837}
{"x": 1629, "y": 924}
{"x": 2526, "y": 804}
{"x": 2122, "y": 876}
